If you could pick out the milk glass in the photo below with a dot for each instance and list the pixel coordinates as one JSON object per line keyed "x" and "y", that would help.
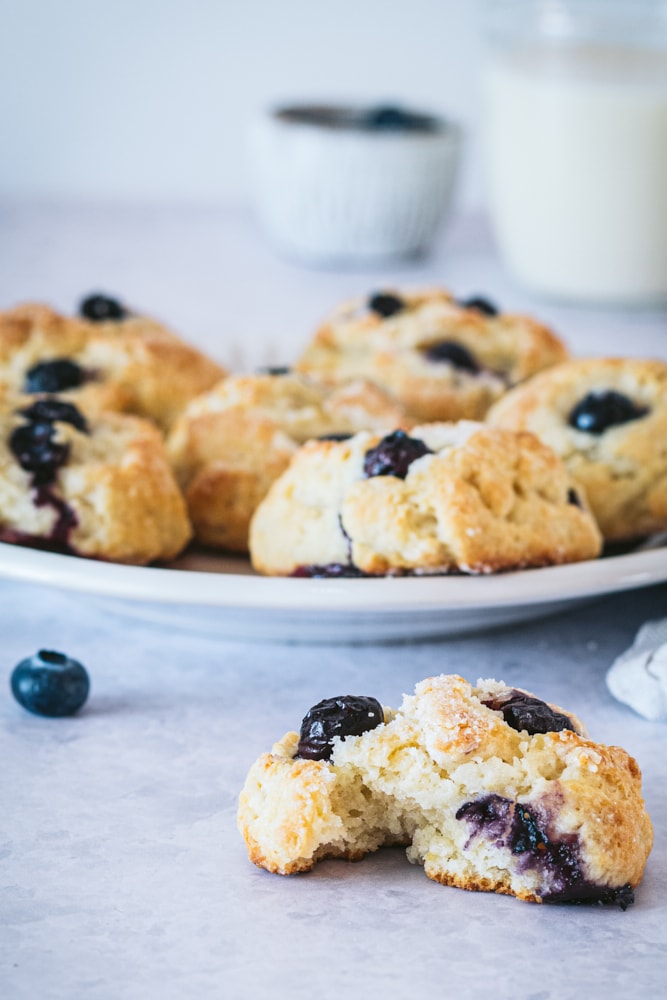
{"x": 576, "y": 145}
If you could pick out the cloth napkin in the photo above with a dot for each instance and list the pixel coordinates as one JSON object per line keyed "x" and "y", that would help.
{"x": 638, "y": 677}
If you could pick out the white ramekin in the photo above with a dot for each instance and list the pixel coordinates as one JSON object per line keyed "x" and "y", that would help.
{"x": 330, "y": 195}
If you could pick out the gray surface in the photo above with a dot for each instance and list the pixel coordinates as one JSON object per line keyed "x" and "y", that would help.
{"x": 124, "y": 876}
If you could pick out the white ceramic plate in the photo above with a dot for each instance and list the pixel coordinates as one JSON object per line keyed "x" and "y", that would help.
{"x": 222, "y": 596}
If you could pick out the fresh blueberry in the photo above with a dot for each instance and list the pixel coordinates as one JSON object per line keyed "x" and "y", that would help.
{"x": 454, "y": 354}
{"x": 101, "y": 308}
{"x": 601, "y": 409}
{"x": 480, "y": 304}
{"x": 50, "y": 683}
{"x": 394, "y": 455}
{"x": 385, "y": 304}
{"x": 525, "y": 713}
{"x": 46, "y": 411}
{"x": 54, "y": 376}
{"x": 36, "y": 451}
{"x": 348, "y": 715}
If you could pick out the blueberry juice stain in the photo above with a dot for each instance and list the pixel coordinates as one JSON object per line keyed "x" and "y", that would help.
{"x": 523, "y": 830}
{"x": 37, "y": 451}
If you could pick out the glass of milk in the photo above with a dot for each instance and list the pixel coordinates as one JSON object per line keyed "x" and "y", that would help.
{"x": 576, "y": 145}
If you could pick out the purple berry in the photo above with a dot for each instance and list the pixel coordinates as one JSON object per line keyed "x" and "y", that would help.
{"x": 599, "y": 410}
{"x": 527, "y": 714}
{"x": 50, "y": 683}
{"x": 394, "y": 455}
{"x": 347, "y": 715}
{"x": 56, "y": 375}
{"x": 385, "y": 304}
{"x": 101, "y": 308}
{"x": 454, "y": 354}
{"x": 480, "y": 304}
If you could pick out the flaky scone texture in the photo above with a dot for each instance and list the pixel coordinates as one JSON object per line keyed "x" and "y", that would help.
{"x": 545, "y": 817}
{"x": 624, "y": 469}
{"x": 234, "y": 441}
{"x": 114, "y": 499}
{"x": 485, "y": 500}
{"x": 135, "y": 364}
{"x": 392, "y": 351}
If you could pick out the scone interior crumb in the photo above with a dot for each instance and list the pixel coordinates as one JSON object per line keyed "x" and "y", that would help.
{"x": 482, "y": 805}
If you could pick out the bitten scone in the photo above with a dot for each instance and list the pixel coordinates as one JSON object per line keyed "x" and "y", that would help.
{"x": 443, "y": 359}
{"x": 91, "y": 486}
{"x": 607, "y": 419}
{"x": 105, "y": 359}
{"x": 488, "y": 787}
{"x": 446, "y": 498}
{"x": 232, "y": 443}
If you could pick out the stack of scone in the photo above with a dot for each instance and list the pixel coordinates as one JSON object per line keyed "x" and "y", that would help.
{"x": 368, "y": 458}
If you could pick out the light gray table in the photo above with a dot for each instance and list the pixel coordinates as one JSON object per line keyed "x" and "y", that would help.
{"x": 122, "y": 874}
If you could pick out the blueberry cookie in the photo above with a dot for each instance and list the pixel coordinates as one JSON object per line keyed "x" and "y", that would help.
{"x": 105, "y": 359}
{"x": 91, "y": 486}
{"x": 443, "y": 498}
{"x": 232, "y": 443}
{"x": 607, "y": 419}
{"x": 442, "y": 358}
{"x": 488, "y": 787}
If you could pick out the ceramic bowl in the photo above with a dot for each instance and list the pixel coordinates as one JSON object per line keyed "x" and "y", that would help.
{"x": 352, "y": 185}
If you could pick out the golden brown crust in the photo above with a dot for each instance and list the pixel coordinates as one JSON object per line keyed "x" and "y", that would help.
{"x": 116, "y": 483}
{"x": 623, "y": 471}
{"x": 357, "y": 342}
{"x": 233, "y": 442}
{"x": 133, "y": 365}
{"x": 448, "y": 776}
{"x": 485, "y": 501}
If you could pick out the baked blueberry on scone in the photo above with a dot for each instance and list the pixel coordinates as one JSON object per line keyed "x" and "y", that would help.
{"x": 97, "y": 486}
{"x": 607, "y": 419}
{"x": 231, "y": 443}
{"x": 108, "y": 358}
{"x": 487, "y": 786}
{"x": 443, "y": 498}
{"x": 443, "y": 359}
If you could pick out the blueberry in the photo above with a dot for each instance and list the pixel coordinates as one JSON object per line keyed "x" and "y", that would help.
{"x": 54, "y": 376}
{"x": 100, "y": 308}
{"x": 481, "y": 305}
{"x": 601, "y": 409}
{"x": 454, "y": 354}
{"x": 574, "y": 498}
{"x": 394, "y": 455}
{"x": 50, "y": 683}
{"x": 348, "y": 715}
{"x": 46, "y": 411}
{"x": 385, "y": 304}
{"x": 525, "y": 713}
{"x": 36, "y": 451}
{"x": 274, "y": 370}
{"x": 330, "y": 571}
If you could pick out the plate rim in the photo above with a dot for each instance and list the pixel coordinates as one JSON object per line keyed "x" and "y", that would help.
{"x": 420, "y": 594}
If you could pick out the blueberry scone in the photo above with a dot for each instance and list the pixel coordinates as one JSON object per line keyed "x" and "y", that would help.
{"x": 97, "y": 486}
{"x": 107, "y": 358}
{"x": 607, "y": 419}
{"x": 443, "y": 359}
{"x": 231, "y": 443}
{"x": 488, "y": 787}
{"x": 443, "y": 498}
